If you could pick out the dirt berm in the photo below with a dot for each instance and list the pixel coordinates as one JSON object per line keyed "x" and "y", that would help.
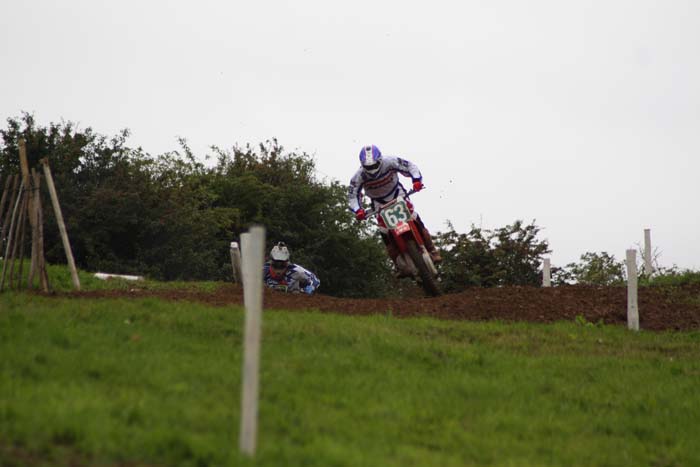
{"x": 660, "y": 308}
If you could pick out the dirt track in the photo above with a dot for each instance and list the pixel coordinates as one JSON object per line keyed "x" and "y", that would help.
{"x": 671, "y": 308}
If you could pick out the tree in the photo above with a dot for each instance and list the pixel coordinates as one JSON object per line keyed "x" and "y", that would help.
{"x": 518, "y": 253}
{"x": 468, "y": 259}
{"x": 510, "y": 255}
{"x": 169, "y": 217}
{"x": 597, "y": 269}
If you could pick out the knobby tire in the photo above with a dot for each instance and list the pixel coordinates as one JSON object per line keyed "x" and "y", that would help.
{"x": 428, "y": 281}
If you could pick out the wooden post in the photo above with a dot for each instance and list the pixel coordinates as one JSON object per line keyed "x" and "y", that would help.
{"x": 38, "y": 211}
{"x": 19, "y": 245}
{"x": 647, "y": 253}
{"x": 43, "y": 274}
{"x": 9, "y": 245}
{"x": 61, "y": 224}
{"x": 34, "y": 215}
{"x": 27, "y": 211}
{"x": 632, "y": 309}
{"x": 253, "y": 245}
{"x": 546, "y": 273}
{"x": 5, "y": 191}
{"x": 236, "y": 262}
{"x": 38, "y": 261}
{"x": 35, "y": 251}
{"x": 8, "y": 218}
{"x": 23, "y": 163}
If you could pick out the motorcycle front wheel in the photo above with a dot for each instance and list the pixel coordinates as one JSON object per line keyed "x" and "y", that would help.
{"x": 428, "y": 280}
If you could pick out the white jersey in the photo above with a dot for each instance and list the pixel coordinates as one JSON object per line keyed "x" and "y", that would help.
{"x": 383, "y": 186}
{"x": 294, "y": 279}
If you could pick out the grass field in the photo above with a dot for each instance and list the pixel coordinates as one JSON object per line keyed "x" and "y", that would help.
{"x": 148, "y": 382}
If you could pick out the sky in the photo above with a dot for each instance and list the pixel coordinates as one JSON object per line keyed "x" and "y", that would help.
{"x": 583, "y": 117}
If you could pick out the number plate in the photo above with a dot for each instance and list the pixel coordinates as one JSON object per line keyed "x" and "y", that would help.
{"x": 396, "y": 216}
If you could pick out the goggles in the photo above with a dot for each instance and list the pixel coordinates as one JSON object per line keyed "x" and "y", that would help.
{"x": 372, "y": 168}
{"x": 279, "y": 265}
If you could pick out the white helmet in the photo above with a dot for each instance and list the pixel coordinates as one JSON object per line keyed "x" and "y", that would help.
{"x": 279, "y": 257}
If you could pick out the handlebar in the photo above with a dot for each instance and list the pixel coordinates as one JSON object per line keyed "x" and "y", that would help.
{"x": 371, "y": 212}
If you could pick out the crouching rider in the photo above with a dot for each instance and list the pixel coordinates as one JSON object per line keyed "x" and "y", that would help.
{"x": 280, "y": 274}
{"x": 378, "y": 178}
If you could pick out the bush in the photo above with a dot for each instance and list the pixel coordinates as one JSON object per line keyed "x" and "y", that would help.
{"x": 675, "y": 277}
{"x": 593, "y": 269}
{"x": 510, "y": 255}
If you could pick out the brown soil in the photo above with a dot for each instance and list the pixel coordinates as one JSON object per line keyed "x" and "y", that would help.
{"x": 660, "y": 308}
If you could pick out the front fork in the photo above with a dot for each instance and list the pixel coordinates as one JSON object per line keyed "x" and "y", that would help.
{"x": 403, "y": 260}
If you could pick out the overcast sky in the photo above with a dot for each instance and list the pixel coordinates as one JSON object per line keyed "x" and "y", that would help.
{"x": 584, "y": 115}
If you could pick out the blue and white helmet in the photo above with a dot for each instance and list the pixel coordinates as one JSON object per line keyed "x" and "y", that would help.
{"x": 371, "y": 159}
{"x": 279, "y": 258}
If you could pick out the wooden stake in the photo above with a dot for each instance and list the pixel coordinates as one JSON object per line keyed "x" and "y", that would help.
{"x": 20, "y": 237}
{"x": 61, "y": 224}
{"x": 26, "y": 205}
{"x": 15, "y": 234}
{"x": 33, "y": 213}
{"x": 41, "y": 259}
{"x": 8, "y": 247}
{"x": 23, "y": 163}
{"x": 28, "y": 181}
{"x": 6, "y": 222}
{"x": 5, "y": 190}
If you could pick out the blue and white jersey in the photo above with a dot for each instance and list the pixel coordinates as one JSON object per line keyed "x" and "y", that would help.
{"x": 384, "y": 186}
{"x": 295, "y": 279}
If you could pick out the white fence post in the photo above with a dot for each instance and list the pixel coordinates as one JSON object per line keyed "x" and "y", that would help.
{"x": 546, "y": 273}
{"x": 632, "y": 310}
{"x": 253, "y": 246}
{"x": 647, "y": 253}
{"x": 236, "y": 262}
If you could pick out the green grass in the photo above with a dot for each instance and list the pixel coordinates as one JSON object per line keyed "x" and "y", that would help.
{"x": 675, "y": 278}
{"x": 60, "y": 280}
{"x": 148, "y": 382}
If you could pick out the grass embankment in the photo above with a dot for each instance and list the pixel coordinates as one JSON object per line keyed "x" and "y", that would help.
{"x": 60, "y": 280}
{"x": 148, "y": 382}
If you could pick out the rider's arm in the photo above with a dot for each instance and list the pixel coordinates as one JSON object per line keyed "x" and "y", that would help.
{"x": 305, "y": 279}
{"x": 355, "y": 191}
{"x": 407, "y": 168}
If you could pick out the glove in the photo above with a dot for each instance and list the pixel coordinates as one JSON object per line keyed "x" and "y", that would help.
{"x": 360, "y": 215}
{"x": 417, "y": 185}
{"x": 309, "y": 289}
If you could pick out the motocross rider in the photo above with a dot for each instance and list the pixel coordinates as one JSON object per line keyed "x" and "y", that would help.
{"x": 280, "y": 274}
{"x": 378, "y": 177}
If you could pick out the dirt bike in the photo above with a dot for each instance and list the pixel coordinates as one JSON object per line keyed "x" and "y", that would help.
{"x": 413, "y": 260}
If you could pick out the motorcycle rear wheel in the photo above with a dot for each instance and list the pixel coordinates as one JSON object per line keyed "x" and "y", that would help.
{"x": 428, "y": 280}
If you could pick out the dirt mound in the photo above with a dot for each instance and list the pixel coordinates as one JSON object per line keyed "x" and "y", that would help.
{"x": 660, "y": 308}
